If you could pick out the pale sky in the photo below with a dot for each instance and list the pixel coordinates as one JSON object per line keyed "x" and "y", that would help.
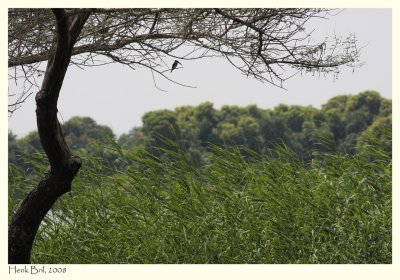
{"x": 118, "y": 96}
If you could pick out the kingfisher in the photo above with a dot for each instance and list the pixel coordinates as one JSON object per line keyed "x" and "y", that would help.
{"x": 175, "y": 64}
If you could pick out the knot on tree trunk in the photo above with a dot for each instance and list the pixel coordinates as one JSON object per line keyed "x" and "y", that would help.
{"x": 75, "y": 163}
{"x": 40, "y": 98}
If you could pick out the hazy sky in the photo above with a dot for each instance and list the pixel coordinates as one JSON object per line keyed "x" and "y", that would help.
{"x": 117, "y": 96}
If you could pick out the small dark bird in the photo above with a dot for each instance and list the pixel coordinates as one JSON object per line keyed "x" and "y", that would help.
{"x": 175, "y": 64}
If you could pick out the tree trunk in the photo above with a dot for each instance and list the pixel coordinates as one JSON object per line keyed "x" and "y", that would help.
{"x": 63, "y": 165}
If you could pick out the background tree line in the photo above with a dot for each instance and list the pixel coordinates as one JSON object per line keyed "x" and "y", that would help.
{"x": 345, "y": 122}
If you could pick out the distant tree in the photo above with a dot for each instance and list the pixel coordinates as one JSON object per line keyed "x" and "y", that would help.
{"x": 361, "y": 111}
{"x": 230, "y": 113}
{"x": 261, "y": 43}
{"x": 254, "y": 111}
{"x": 206, "y": 119}
{"x": 386, "y": 108}
{"x": 379, "y": 130}
{"x": 368, "y": 100}
{"x": 333, "y": 113}
{"x": 159, "y": 126}
{"x": 250, "y": 134}
{"x": 295, "y": 118}
{"x": 228, "y": 133}
{"x": 188, "y": 126}
{"x": 83, "y": 135}
{"x": 274, "y": 129}
{"x": 81, "y": 131}
{"x": 336, "y": 103}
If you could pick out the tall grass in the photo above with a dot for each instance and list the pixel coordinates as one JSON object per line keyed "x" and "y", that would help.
{"x": 241, "y": 207}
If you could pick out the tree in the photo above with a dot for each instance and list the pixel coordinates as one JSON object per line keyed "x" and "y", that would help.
{"x": 379, "y": 131}
{"x": 83, "y": 135}
{"x": 81, "y": 131}
{"x": 250, "y": 132}
{"x": 206, "y": 119}
{"x": 267, "y": 44}
{"x": 158, "y": 125}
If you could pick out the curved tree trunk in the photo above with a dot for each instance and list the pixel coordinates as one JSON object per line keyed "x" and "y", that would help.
{"x": 63, "y": 165}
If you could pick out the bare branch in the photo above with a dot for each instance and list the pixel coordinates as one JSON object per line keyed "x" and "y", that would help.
{"x": 270, "y": 45}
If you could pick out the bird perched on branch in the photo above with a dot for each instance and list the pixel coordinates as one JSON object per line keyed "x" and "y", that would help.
{"x": 175, "y": 64}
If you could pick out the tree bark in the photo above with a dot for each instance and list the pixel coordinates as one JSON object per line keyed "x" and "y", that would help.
{"x": 63, "y": 165}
